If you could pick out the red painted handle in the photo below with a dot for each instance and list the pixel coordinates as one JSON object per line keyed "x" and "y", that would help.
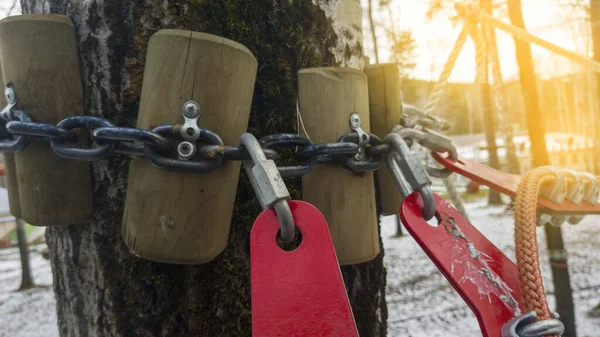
{"x": 483, "y": 276}
{"x": 302, "y": 292}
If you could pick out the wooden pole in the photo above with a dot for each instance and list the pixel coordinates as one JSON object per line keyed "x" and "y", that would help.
{"x": 39, "y": 58}
{"x": 385, "y": 109}
{"x": 327, "y": 97}
{"x": 176, "y": 217}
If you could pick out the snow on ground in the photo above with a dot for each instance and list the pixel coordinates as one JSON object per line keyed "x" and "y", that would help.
{"x": 420, "y": 301}
{"x": 29, "y": 313}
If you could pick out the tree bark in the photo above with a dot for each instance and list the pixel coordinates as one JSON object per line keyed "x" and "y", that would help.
{"x": 101, "y": 288}
{"x": 26, "y": 279}
{"x": 536, "y": 128}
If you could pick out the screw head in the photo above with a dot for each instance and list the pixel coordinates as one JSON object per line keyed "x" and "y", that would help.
{"x": 191, "y": 109}
{"x": 186, "y": 150}
{"x": 11, "y": 96}
{"x": 355, "y": 120}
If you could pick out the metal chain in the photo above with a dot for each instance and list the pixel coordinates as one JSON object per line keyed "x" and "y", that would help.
{"x": 191, "y": 149}
{"x": 173, "y": 147}
{"x": 159, "y": 145}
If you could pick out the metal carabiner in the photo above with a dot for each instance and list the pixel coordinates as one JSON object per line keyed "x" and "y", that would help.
{"x": 433, "y": 141}
{"x": 556, "y": 192}
{"x": 526, "y": 326}
{"x": 590, "y": 194}
{"x": 574, "y": 194}
{"x": 409, "y": 173}
{"x": 268, "y": 185}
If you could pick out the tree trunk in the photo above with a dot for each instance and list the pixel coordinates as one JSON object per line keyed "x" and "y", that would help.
{"x": 373, "y": 32}
{"x": 488, "y": 111}
{"x": 536, "y": 128}
{"x": 26, "y": 280}
{"x": 594, "y": 19}
{"x": 101, "y": 288}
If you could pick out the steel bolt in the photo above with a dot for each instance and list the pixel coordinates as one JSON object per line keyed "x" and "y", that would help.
{"x": 191, "y": 109}
{"x": 186, "y": 150}
{"x": 11, "y": 97}
{"x": 355, "y": 120}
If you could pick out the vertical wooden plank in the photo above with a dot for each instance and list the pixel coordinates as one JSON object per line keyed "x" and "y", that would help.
{"x": 327, "y": 97}
{"x": 39, "y": 57}
{"x": 385, "y": 108}
{"x": 177, "y": 217}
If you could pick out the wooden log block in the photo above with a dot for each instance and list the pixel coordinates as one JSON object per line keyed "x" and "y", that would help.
{"x": 39, "y": 58}
{"x": 10, "y": 173}
{"x": 385, "y": 108}
{"x": 10, "y": 179}
{"x": 178, "y": 217}
{"x": 328, "y": 96}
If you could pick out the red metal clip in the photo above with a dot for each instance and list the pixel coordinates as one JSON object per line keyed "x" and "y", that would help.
{"x": 301, "y": 292}
{"x": 507, "y": 183}
{"x": 483, "y": 276}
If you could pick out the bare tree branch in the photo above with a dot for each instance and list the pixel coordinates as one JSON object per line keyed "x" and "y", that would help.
{"x": 12, "y": 8}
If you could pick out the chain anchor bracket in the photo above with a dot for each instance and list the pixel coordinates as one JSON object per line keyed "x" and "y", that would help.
{"x": 363, "y": 137}
{"x": 190, "y": 131}
{"x": 11, "y": 102}
{"x": 268, "y": 185}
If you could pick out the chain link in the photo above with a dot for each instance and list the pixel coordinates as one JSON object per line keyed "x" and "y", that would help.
{"x": 101, "y": 139}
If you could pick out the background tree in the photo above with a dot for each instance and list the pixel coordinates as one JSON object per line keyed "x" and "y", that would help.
{"x": 101, "y": 288}
{"x": 403, "y": 44}
{"x": 536, "y": 129}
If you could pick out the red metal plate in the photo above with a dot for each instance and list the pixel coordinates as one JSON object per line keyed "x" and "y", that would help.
{"x": 483, "y": 276}
{"x": 507, "y": 183}
{"x": 302, "y": 292}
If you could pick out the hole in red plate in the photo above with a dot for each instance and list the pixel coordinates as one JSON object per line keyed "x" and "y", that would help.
{"x": 435, "y": 221}
{"x": 292, "y": 245}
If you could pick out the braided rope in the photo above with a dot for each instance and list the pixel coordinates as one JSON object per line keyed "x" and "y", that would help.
{"x": 501, "y": 103}
{"x": 436, "y": 96}
{"x": 528, "y": 266}
{"x": 439, "y": 88}
{"x": 480, "y": 54}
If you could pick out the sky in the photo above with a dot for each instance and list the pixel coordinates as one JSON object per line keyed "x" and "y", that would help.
{"x": 436, "y": 37}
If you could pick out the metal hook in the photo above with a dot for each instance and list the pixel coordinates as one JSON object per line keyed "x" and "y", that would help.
{"x": 268, "y": 185}
{"x": 526, "y": 326}
{"x": 432, "y": 141}
{"x": 409, "y": 173}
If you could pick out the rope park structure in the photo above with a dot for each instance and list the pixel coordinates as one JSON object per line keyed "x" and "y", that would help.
{"x": 290, "y": 238}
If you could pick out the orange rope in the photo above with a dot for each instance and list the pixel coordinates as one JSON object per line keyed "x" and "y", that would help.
{"x": 526, "y": 246}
